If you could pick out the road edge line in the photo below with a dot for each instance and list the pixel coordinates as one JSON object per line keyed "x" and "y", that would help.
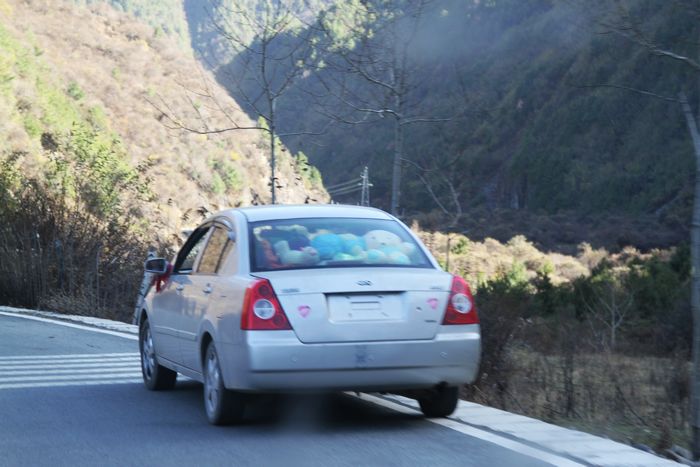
{"x": 466, "y": 429}
{"x": 61, "y": 322}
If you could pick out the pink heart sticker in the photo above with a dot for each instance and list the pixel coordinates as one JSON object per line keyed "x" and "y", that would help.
{"x": 433, "y": 302}
{"x": 304, "y": 310}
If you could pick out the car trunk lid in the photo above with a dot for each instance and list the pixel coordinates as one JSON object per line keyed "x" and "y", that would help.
{"x": 362, "y": 304}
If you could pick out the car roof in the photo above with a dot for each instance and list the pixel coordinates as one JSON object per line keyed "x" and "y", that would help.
{"x": 294, "y": 211}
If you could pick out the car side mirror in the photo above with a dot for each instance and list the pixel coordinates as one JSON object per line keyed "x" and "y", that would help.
{"x": 157, "y": 266}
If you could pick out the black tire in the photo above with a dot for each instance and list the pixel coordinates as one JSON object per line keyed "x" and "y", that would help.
{"x": 223, "y": 407}
{"x": 155, "y": 376}
{"x": 440, "y": 401}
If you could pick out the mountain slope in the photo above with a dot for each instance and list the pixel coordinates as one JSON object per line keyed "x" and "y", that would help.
{"x": 103, "y": 69}
{"x": 531, "y": 134}
{"x": 166, "y": 16}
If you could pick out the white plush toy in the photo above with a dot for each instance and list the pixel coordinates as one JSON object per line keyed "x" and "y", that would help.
{"x": 394, "y": 250}
{"x": 288, "y": 257}
{"x": 377, "y": 239}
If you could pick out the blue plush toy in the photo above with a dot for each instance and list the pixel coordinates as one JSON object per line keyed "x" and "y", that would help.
{"x": 352, "y": 244}
{"x": 328, "y": 245}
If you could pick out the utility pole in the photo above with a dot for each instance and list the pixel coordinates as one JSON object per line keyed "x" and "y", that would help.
{"x": 694, "y": 281}
{"x": 364, "y": 196}
{"x": 447, "y": 253}
{"x": 273, "y": 182}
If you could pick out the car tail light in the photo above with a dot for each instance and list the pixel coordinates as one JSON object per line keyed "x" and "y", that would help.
{"x": 261, "y": 309}
{"x": 460, "y": 306}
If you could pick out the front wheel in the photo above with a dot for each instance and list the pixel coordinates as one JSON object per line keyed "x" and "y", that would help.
{"x": 156, "y": 377}
{"x": 223, "y": 407}
{"x": 440, "y": 401}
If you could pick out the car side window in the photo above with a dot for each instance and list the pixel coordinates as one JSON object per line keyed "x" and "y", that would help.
{"x": 188, "y": 254}
{"x": 215, "y": 252}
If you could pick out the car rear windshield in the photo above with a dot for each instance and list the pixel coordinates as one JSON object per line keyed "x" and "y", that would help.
{"x": 332, "y": 242}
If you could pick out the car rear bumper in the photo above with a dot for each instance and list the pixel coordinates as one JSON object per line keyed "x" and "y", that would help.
{"x": 278, "y": 361}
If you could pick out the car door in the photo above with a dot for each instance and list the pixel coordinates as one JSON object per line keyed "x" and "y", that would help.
{"x": 169, "y": 303}
{"x": 205, "y": 287}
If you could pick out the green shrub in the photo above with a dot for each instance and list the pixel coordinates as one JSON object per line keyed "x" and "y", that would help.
{"x": 226, "y": 176}
{"x": 98, "y": 118}
{"x": 217, "y": 184}
{"x": 461, "y": 247}
{"x": 75, "y": 91}
{"x": 309, "y": 174}
{"x": 32, "y": 125}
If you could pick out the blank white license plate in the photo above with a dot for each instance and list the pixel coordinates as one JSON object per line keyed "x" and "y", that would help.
{"x": 344, "y": 308}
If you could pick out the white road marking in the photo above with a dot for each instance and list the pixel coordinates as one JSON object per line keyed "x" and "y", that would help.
{"x": 69, "y": 383}
{"x": 30, "y": 371}
{"x": 72, "y": 325}
{"x": 15, "y": 379}
{"x": 577, "y": 445}
{"x": 69, "y": 356}
{"x": 476, "y": 433}
{"x": 72, "y": 371}
{"x": 76, "y": 364}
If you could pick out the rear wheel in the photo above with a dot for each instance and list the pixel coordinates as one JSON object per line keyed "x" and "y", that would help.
{"x": 223, "y": 407}
{"x": 440, "y": 401}
{"x": 156, "y": 377}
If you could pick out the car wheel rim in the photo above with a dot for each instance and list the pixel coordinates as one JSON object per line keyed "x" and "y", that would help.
{"x": 211, "y": 390}
{"x": 148, "y": 357}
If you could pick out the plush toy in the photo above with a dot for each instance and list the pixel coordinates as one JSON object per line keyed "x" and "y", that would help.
{"x": 376, "y": 239}
{"x": 407, "y": 248}
{"x": 265, "y": 256}
{"x": 375, "y": 257}
{"x": 395, "y": 256}
{"x": 295, "y": 237}
{"x": 390, "y": 245}
{"x": 298, "y": 241}
{"x": 352, "y": 244}
{"x": 344, "y": 257}
{"x": 296, "y": 228}
{"x": 305, "y": 256}
{"x": 356, "y": 254}
{"x": 328, "y": 245}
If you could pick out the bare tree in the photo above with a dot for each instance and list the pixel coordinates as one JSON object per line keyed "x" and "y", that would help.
{"x": 372, "y": 73}
{"x": 609, "y": 303}
{"x": 434, "y": 178}
{"x": 272, "y": 50}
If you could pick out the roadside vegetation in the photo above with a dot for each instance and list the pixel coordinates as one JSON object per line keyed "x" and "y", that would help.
{"x": 598, "y": 341}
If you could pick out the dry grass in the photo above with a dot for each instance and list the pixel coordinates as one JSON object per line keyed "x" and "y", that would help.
{"x": 640, "y": 399}
{"x": 480, "y": 261}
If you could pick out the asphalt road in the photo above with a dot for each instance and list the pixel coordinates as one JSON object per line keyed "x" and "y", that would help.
{"x": 73, "y": 397}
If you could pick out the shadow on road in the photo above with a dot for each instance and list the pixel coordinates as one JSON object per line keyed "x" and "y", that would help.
{"x": 307, "y": 412}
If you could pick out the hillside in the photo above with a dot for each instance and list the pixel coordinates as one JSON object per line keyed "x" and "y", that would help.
{"x": 529, "y": 136}
{"x": 165, "y": 16}
{"x": 531, "y": 145}
{"x": 206, "y": 36}
{"x": 101, "y": 69}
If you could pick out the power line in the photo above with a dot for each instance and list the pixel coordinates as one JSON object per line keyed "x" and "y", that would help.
{"x": 344, "y": 184}
{"x": 347, "y": 190}
{"x": 361, "y": 184}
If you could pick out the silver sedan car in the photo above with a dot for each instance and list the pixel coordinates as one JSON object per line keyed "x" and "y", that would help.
{"x": 324, "y": 297}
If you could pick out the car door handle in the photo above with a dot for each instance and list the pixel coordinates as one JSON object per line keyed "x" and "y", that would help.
{"x": 180, "y": 287}
{"x": 207, "y": 289}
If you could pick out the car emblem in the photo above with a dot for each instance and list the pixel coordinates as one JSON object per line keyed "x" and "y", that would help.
{"x": 364, "y": 282}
